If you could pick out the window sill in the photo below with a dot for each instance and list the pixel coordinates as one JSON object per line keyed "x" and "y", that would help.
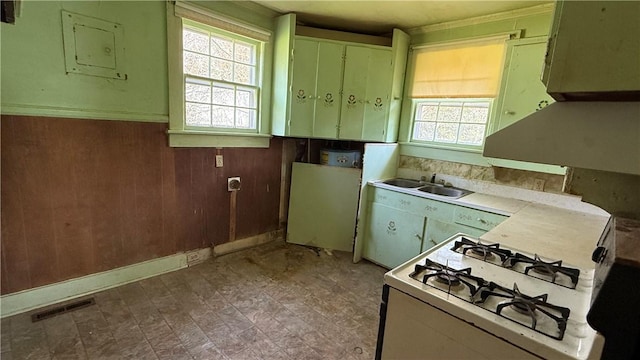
{"x": 194, "y": 138}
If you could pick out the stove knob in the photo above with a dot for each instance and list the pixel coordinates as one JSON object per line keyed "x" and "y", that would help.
{"x": 598, "y": 254}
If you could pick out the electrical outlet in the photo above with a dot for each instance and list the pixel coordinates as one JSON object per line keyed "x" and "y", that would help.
{"x": 538, "y": 184}
{"x": 219, "y": 161}
{"x": 233, "y": 183}
{"x": 193, "y": 257}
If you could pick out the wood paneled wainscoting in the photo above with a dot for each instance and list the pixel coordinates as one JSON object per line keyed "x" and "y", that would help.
{"x": 85, "y": 196}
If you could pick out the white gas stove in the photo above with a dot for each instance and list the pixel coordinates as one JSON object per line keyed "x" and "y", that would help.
{"x": 524, "y": 306}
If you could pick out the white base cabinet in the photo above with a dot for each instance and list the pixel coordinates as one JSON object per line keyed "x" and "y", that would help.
{"x": 400, "y": 226}
{"x": 394, "y": 235}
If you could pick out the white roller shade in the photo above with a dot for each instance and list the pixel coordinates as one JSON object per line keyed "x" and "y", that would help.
{"x": 469, "y": 69}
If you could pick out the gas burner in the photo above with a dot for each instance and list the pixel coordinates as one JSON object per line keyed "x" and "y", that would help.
{"x": 450, "y": 278}
{"x": 552, "y": 271}
{"x": 530, "y": 311}
{"x": 481, "y": 251}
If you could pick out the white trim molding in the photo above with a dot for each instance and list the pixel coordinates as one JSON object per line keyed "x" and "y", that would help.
{"x": 206, "y": 16}
{"x": 76, "y": 113}
{"x": 26, "y": 300}
{"x": 246, "y": 243}
{"x": 533, "y": 10}
{"x": 30, "y": 299}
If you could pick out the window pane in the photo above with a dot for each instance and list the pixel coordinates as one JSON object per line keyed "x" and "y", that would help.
{"x": 245, "y": 119}
{"x": 244, "y": 53}
{"x": 471, "y": 134}
{"x": 197, "y": 93}
{"x": 244, "y": 74}
{"x": 427, "y": 112}
{"x": 450, "y": 112}
{"x": 196, "y": 64}
{"x": 446, "y": 132}
{"x": 195, "y": 41}
{"x": 221, "y": 69}
{"x": 221, "y": 48}
{"x": 246, "y": 98}
{"x": 475, "y": 113}
{"x": 198, "y": 114}
{"x": 221, "y": 77}
{"x": 223, "y": 116}
{"x": 223, "y": 95}
{"x": 424, "y": 131}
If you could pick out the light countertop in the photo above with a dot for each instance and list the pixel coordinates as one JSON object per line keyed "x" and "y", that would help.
{"x": 549, "y": 231}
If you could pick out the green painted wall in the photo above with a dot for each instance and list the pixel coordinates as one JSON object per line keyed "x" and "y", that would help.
{"x": 532, "y": 25}
{"x": 34, "y": 81}
{"x": 33, "y": 76}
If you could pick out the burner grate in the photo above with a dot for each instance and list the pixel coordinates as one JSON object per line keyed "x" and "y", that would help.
{"x": 533, "y": 309}
{"x": 449, "y": 277}
{"x": 485, "y": 252}
{"x": 549, "y": 271}
{"x": 552, "y": 271}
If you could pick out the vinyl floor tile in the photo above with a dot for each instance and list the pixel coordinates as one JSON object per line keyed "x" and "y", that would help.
{"x": 276, "y": 301}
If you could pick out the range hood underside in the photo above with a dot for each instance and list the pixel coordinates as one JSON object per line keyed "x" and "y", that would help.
{"x": 590, "y": 135}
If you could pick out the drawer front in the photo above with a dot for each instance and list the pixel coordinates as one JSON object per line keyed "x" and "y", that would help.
{"x": 477, "y": 219}
{"x": 414, "y": 204}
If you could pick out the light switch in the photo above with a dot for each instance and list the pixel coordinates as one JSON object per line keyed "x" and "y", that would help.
{"x": 219, "y": 161}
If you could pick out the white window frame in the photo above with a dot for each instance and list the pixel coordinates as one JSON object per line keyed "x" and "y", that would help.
{"x": 257, "y": 45}
{"x": 415, "y": 104}
{"x": 182, "y": 13}
{"x": 410, "y": 104}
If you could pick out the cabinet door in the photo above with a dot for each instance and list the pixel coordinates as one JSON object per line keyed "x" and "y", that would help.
{"x": 323, "y": 206}
{"x": 378, "y": 95}
{"x": 438, "y": 231}
{"x": 303, "y": 87}
{"x": 522, "y": 90}
{"x": 328, "y": 84}
{"x": 354, "y": 89}
{"x": 594, "y": 47}
{"x": 366, "y": 93}
{"x": 392, "y": 236}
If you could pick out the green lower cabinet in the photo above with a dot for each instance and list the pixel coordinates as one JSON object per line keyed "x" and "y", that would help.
{"x": 438, "y": 231}
{"x": 392, "y": 236}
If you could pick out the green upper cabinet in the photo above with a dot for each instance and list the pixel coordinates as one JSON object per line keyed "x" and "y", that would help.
{"x": 366, "y": 94}
{"x": 522, "y": 90}
{"x": 336, "y": 89}
{"x": 315, "y": 88}
{"x": 594, "y": 51}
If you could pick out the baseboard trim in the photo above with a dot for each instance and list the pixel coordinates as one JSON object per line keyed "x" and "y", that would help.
{"x": 22, "y": 301}
{"x": 247, "y": 242}
{"x": 26, "y": 300}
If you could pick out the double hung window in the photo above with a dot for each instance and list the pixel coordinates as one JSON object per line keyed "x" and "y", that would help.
{"x": 221, "y": 75}
{"x": 216, "y": 77}
{"x": 452, "y": 88}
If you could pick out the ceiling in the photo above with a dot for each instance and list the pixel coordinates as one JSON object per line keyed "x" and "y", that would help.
{"x": 380, "y": 17}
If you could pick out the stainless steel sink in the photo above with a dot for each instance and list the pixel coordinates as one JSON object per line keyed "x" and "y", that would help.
{"x": 450, "y": 192}
{"x": 404, "y": 183}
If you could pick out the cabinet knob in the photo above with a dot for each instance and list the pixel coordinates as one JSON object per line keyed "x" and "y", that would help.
{"x": 509, "y": 112}
{"x": 482, "y": 220}
{"x": 419, "y": 237}
{"x": 599, "y": 254}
